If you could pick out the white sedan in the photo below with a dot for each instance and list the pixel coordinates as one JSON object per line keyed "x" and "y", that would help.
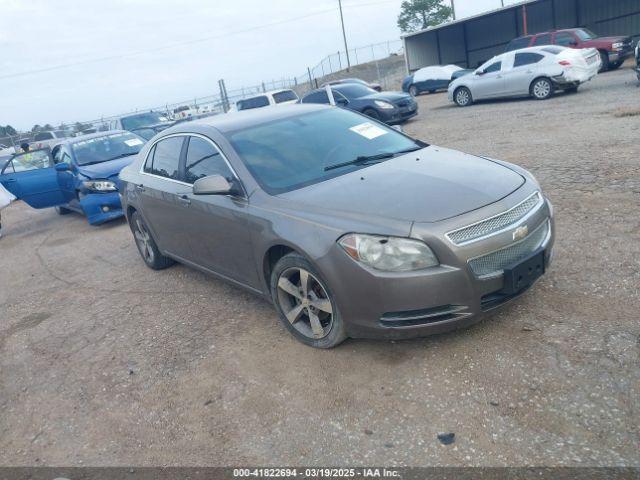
{"x": 535, "y": 71}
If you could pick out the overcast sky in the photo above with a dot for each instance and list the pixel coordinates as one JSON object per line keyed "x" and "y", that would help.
{"x": 180, "y": 49}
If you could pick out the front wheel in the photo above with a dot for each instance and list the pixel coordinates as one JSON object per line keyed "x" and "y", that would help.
{"x": 147, "y": 245}
{"x": 541, "y": 89}
{"x": 462, "y": 97}
{"x": 62, "y": 211}
{"x": 413, "y": 91}
{"x": 616, "y": 65}
{"x": 604, "y": 58}
{"x": 305, "y": 303}
{"x": 370, "y": 112}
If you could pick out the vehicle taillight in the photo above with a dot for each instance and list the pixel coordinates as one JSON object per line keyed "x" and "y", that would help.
{"x": 565, "y": 63}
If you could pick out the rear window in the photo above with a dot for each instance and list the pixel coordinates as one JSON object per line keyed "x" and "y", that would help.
{"x": 528, "y": 58}
{"x": 43, "y": 136}
{"x": 255, "y": 102}
{"x": 518, "y": 43}
{"x": 286, "y": 96}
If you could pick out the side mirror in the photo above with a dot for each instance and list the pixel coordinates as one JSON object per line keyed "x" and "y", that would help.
{"x": 479, "y": 72}
{"x": 62, "y": 167}
{"x": 214, "y": 185}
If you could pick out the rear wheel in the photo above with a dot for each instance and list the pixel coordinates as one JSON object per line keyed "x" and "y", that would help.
{"x": 413, "y": 91}
{"x": 370, "y": 112}
{"x": 604, "y": 57}
{"x": 147, "y": 245}
{"x": 541, "y": 88}
{"x": 305, "y": 304}
{"x": 462, "y": 97}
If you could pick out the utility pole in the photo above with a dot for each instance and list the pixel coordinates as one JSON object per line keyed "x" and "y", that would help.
{"x": 453, "y": 9}
{"x": 344, "y": 35}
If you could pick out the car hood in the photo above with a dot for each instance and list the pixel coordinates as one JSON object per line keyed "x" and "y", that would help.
{"x": 430, "y": 185}
{"x": 386, "y": 96}
{"x": 105, "y": 169}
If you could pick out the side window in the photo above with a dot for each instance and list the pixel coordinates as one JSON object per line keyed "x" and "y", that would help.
{"x": 166, "y": 157}
{"x": 523, "y": 59}
{"x": 544, "y": 39}
{"x": 31, "y": 161}
{"x": 494, "y": 67}
{"x": 565, "y": 39}
{"x": 317, "y": 97}
{"x": 57, "y": 154}
{"x": 148, "y": 165}
{"x": 203, "y": 160}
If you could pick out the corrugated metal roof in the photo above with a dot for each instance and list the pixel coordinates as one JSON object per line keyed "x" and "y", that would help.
{"x": 466, "y": 19}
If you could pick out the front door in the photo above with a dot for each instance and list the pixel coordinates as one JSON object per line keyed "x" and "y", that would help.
{"x": 217, "y": 224}
{"x": 33, "y": 178}
{"x": 489, "y": 82}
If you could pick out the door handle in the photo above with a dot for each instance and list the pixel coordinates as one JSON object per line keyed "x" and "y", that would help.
{"x": 184, "y": 200}
{"x": 11, "y": 180}
{"x": 140, "y": 188}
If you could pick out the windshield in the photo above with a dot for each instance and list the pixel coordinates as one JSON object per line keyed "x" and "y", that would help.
{"x": 585, "y": 34}
{"x": 354, "y": 90}
{"x": 105, "y": 148}
{"x": 288, "y": 154}
{"x": 142, "y": 120}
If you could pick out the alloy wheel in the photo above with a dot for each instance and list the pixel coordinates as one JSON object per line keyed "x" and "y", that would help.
{"x": 542, "y": 89}
{"x": 305, "y": 302}
{"x": 143, "y": 240}
{"x": 462, "y": 97}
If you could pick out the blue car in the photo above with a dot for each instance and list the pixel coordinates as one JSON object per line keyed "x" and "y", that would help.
{"x": 431, "y": 79}
{"x": 80, "y": 174}
{"x": 388, "y": 107}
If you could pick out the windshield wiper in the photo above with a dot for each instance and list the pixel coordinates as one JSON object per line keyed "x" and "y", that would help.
{"x": 363, "y": 160}
{"x": 122, "y": 155}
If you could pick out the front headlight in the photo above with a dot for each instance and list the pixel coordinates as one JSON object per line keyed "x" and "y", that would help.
{"x": 617, "y": 45}
{"x": 390, "y": 254}
{"x": 100, "y": 185}
{"x": 384, "y": 105}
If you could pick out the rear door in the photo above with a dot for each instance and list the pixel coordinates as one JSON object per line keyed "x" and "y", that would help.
{"x": 160, "y": 194}
{"x": 524, "y": 70}
{"x": 32, "y": 177}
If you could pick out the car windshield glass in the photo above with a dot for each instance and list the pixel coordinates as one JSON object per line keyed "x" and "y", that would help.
{"x": 354, "y": 90}
{"x": 142, "y": 120}
{"x": 107, "y": 147}
{"x": 291, "y": 153}
{"x": 585, "y": 34}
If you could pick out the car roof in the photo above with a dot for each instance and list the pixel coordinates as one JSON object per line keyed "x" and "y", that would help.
{"x": 89, "y": 136}
{"x": 246, "y": 118}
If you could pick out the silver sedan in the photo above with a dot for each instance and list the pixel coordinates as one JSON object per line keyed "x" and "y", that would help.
{"x": 535, "y": 71}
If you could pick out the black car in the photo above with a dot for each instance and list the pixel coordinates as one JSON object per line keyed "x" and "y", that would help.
{"x": 388, "y": 107}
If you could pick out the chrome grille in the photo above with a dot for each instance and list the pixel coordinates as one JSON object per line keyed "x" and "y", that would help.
{"x": 495, "y": 224}
{"x": 495, "y": 262}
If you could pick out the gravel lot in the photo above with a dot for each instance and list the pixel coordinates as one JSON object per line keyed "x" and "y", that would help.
{"x": 105, "y": 362}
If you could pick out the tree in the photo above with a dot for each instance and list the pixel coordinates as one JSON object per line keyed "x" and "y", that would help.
{"x": 421, "y": 14}
{"x": 48, "y": 127}
{"x": 36, "y": 128}
{"x": 10, "y": 130}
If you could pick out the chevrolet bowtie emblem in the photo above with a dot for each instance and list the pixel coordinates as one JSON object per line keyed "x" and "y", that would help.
{"x": 520, "y": 232}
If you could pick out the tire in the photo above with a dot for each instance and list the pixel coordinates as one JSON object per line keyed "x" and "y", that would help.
{"x": 572, "y": 90}
{"x": 604, "y": 57}
{"x": 370, "y": 112}
{"x": 462, "y": 97}
{"x": 616, "y": 65}
{"x": 413, "y": 91}
{"x": 307, "y": 309}
{"x": 432, "y": 92}
{"x": 62, "y": 211}
{"x": 146, "y": 244}
{"x": 541, "y": 88}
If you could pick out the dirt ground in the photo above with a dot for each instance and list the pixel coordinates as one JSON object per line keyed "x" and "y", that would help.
{"x": 105, "y": 362}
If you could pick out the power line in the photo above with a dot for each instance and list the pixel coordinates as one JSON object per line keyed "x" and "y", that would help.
{"x": 183, "y": 43}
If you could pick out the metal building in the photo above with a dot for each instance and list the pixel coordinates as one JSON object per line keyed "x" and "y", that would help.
{"x": 471, "y": 41}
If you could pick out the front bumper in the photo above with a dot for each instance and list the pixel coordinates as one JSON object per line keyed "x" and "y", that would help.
{"x": 101, "y": 207}
{"x": 400, "y": 115}
{"x": 375, "y": 304}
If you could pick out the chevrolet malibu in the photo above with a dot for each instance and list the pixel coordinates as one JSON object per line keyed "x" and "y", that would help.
{"x": 349, "y": 227}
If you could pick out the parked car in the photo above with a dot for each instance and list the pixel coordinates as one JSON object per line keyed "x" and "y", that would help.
{"x": 375, "y": 86}
{"x": 348, "y": 226}
{"x": 49, "y": 138}
{"x": 387, "y": 107}
{"x": 79, "y": 174}
{"x": 613, "y": 50}
{"x": 535, "y": 71}
{"x": 267, "y": 99}
{"x": 145, "y": 124}
{"x": 431, "y": 79}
